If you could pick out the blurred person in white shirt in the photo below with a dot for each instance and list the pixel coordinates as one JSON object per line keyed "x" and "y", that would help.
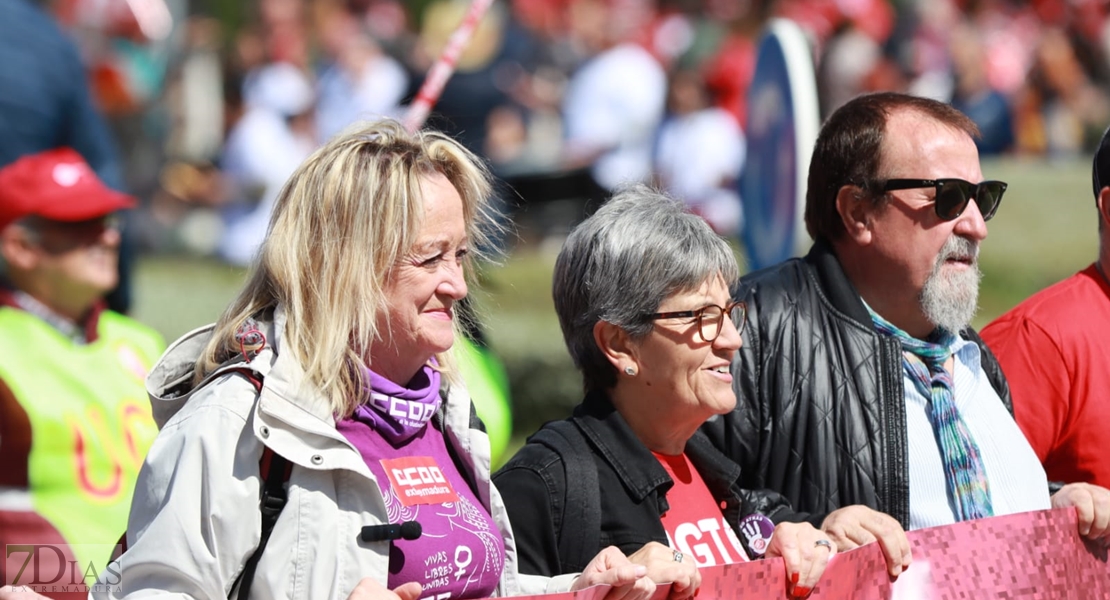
{"x": 614, "y": 102}
{"x": 700, "y": 153}
{"x": 274, "y": 135}
{"x": 362, "y": 81}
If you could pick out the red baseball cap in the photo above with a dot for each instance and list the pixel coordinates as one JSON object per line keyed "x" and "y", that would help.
{"x": 57, "y": 185}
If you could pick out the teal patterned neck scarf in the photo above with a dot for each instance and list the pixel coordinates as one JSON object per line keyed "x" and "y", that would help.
{"x": 964, "y": 472}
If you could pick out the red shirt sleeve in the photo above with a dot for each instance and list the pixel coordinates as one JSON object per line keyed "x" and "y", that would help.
{"x": 1038, "y": 376}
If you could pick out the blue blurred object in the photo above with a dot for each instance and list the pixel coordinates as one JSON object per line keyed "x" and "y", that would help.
{"x": 783, "y": 119}
{"x": 991, "y": 112}
{"x": 44, "y": 94}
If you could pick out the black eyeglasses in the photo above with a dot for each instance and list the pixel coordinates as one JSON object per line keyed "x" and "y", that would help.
{"x": 710, "y": 318}
{"x": 954, "y": 194}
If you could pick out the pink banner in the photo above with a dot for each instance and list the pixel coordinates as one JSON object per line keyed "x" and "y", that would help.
{"x": 1036, "y": 555}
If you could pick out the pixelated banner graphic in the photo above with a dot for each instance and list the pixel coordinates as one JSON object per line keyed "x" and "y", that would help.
{"x": 1035, "y": 555}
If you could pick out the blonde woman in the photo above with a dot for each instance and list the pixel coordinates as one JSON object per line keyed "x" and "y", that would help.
{"x": 334, "y": 357}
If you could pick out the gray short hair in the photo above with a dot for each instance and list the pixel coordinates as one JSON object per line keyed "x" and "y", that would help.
{"x": 619, "y": 265}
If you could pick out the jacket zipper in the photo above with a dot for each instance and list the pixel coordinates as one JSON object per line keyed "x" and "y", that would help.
{"x": 894, "y": 494}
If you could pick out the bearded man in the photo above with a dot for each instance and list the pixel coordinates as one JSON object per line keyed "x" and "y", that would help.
{"x": 860, "y": 381}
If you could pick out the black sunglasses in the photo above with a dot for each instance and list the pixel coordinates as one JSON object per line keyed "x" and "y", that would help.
{"x": 710, "y": 318}
{"x": 59, "y": 237}
{"x": 954, "y": 194}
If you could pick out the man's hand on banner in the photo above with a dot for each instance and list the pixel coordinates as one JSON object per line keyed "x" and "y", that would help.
{"x": 1092, "y": 506}
{"x": 854, "y": 526}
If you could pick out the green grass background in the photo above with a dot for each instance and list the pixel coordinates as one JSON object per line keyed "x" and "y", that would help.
{"x": 1046, "y": 229}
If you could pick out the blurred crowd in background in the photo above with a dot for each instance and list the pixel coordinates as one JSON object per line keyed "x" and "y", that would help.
{"x": 564, "y": 98}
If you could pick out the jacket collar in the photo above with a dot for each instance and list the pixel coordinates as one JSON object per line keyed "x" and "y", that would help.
{"x": 287, "y": 394}
{"x": 609, "y": 433}
{"x": 636, "y": 466}
{"x": 84, "y": 332}
{"x": 720, "y": 473}
{"x": 834, "y": 282}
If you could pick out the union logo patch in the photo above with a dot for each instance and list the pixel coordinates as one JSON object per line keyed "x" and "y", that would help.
{"x": 418, "y": 480}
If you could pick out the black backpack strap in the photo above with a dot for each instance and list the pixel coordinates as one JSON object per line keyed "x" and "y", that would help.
{"x": 581, "y": 524}
{"x": 274, "y": 497}
{"x": 275, "y": 471}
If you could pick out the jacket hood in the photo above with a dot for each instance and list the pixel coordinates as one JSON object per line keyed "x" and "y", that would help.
{"x": 170, "y": 383}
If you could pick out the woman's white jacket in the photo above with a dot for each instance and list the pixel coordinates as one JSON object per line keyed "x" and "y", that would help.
{"x": 195, "y": 516}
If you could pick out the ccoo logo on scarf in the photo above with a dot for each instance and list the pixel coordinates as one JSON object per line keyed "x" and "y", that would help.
{"x": 408, "y": 412}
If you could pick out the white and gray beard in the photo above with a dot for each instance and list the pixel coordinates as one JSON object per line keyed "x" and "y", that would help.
{"x": 951, "y": 297}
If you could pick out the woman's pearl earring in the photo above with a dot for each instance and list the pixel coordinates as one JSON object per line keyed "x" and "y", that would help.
{"x": 630, "y": 370}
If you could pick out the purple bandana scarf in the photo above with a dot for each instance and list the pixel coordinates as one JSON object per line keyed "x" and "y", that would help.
{"x": 397, "y": 412}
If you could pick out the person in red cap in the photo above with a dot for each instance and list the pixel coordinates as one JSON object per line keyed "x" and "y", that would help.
{"x": 74, "y": 421}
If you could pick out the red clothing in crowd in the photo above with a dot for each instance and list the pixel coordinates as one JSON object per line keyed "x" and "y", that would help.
{"x": 1053, "y": 350}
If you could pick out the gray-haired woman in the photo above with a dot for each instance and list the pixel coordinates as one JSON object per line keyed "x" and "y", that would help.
{"x": 642, "y": 293}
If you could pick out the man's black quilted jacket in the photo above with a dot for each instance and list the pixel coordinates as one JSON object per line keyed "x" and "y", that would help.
{"x": 820, "y": 414}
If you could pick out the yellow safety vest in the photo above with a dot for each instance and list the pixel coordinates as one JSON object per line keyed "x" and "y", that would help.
{"x": 90, "y": 421}
{"x": 488, "y": 385}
